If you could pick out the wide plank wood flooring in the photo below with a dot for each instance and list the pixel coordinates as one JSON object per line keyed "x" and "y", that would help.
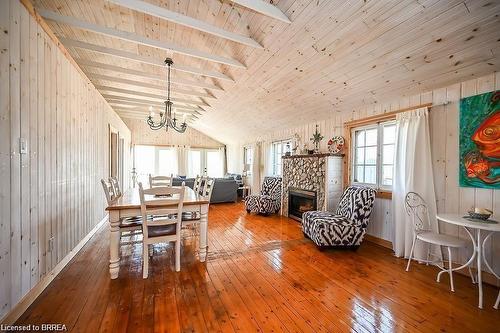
{"x": 261, "y": 276}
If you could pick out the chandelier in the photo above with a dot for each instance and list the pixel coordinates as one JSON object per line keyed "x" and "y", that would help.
{"x": 166, "y": 119}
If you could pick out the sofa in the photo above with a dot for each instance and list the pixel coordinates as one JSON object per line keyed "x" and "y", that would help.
{"x": 225, "y": 189}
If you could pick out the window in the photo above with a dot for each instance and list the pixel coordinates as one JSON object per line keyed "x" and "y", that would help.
{"x": 279, "y": 148}
{"x": 154, "y": 160}
{"x": 248, "y": 160}
{"x": 194, "y": 163}
{"x": 214, "y": 163}
{"x": 205, "y": 162}
{"x": 373, "y": 154}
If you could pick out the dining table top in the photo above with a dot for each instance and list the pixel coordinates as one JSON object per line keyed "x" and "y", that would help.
{"x": 130, "y": 199}
{"x": 461, "y": 220}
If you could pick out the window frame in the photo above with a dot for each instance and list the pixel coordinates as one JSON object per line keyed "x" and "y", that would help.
{"x": 246, "y": 150}
{"x": 274, "y": 155}
{"x": 383, "y": 193}
{"x": 379, "y": 161}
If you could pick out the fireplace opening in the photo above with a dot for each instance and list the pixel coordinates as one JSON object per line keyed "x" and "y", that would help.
{"x": 300, "y": 201}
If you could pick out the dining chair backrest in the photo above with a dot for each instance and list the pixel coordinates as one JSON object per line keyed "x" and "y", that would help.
{"x": 197, "y": 184}
{"x": 161, "y": 201}
{"x": 416, "y": 208}
{"x": 208, "y": 188}
{"x": 108, "y": 190}
{"x": 160, "y": 181}
{"x": 115, "y": 185}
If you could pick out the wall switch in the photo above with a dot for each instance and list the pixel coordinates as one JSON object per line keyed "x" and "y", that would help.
{"x": 51, "y": 244}
{"x": 23, "y": 146}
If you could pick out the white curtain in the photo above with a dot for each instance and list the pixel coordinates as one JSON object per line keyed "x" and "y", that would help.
{"x": 182, "y": 160}
{"x": 267, "y": 165}
{"x": 256, "y": 168}
{"x": 412, "y": 172}
{"x": 223, "y": 161}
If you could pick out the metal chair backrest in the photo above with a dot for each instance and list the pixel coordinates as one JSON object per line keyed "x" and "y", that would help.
{"x": 208, "y": 188}
{"x": 161, "y": 201}
{"x": 161, "y": 181}
{"x": 416, "y": 208}
{"x": 108, "y": 190}
{"x": 115, "y": 186}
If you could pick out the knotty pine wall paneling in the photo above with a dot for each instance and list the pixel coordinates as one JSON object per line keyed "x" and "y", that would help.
{"x": 444, "y": 126}
{"x": 50, "y": 195}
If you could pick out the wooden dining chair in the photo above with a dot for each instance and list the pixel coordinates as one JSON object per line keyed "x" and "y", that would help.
{"x": 165, "y": 225}
{"x": 206, "y": 193}
{"x": 197, "y": 184}
{"x": 108, "y": 191}
{"x": 160, "y": 181}
{"x": 129, "y": 226}
{"x": 115, "y": 185}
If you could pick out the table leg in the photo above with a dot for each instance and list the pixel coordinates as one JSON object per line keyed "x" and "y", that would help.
{"x": 203, "y": 232}
{"x": 114, "y": 244}
{"x": 479, "y": 270}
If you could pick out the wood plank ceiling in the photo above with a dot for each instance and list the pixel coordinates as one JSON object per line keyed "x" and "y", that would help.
{"x": 242, "y": 73}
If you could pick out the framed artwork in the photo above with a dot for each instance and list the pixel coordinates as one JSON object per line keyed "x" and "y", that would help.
{"x": 479, "y": 145}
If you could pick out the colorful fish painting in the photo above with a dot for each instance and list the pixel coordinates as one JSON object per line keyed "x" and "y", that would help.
{"x": 480, "y": 141}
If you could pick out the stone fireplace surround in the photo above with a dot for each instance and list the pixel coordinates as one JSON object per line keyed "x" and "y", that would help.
{"x": 312, "y": 173}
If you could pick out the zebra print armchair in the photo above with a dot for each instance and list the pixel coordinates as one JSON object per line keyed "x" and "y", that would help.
{"x": 347, "y": 226}
{"x": 269, "y": 199}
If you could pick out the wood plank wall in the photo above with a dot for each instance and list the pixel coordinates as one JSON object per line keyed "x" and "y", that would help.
{"x": 444, "y": 137}
{"x": 143, "y": 135}
{"x": 50, "y": 197}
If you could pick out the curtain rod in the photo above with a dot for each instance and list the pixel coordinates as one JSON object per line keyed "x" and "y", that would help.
{"x": 383, "y": 116}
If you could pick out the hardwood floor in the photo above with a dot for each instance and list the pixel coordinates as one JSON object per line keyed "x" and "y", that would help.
{"x": 261, "y": 275}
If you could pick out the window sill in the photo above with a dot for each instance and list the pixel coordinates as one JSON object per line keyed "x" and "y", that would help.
{"x": 381, "y": 194}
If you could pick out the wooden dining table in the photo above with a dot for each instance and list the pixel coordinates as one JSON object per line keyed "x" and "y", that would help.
{"x": 129, "y": 204}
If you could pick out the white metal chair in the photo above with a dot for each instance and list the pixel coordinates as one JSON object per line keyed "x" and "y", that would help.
{"x": 160, "y": 181}
{"x": 129, "y": 225}
{"x": 165, "y": 225}
{"x": 417, "y": 209}
{"x": 498, "y": 301}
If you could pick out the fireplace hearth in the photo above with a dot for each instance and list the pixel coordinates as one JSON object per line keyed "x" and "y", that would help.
{"x": 300, "y": 201}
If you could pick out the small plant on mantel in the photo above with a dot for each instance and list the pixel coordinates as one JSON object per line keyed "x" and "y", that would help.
{"x": 316, "y": 139}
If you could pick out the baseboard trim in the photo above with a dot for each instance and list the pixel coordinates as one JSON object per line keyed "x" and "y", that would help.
{"x": 32, "y": 295}
{"x": 379, "y": 241}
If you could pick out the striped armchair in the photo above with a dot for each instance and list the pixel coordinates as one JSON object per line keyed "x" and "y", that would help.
{"x": 347, "y": 226}
{"x": 269, "y": 199}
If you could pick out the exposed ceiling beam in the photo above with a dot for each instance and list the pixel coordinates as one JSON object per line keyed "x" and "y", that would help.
{"x": 157, "y": 109}
{"x": 129, "y": 92}
{"x": 138, "y": 116}
{"x": 138, "y": 100}
{"x": 265, "y": 8}
{"x": 141, "y": 58}
{"x": 146, "y": 111}
{"x": 155, "y": 76}
{"x": 131, "y": 105}
{"x": 131, "y": 37}
{"x": 187, "y": 21}
{"x": 163, "y": 88}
